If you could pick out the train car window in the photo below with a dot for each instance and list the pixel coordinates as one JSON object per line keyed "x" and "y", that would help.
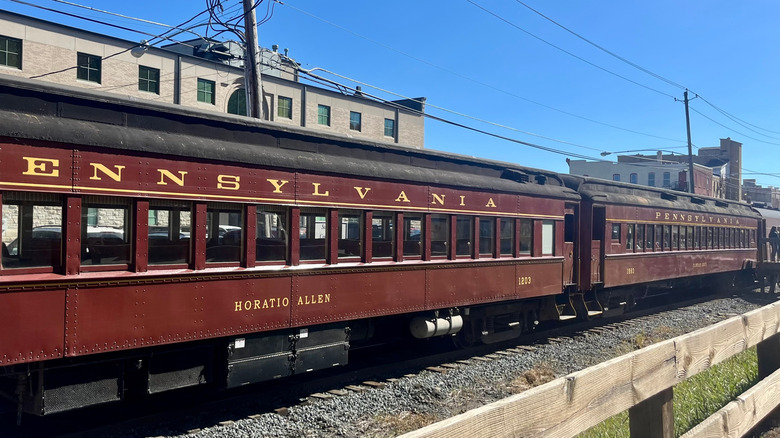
{"x": 667, "y": 238}
{"x": 741, "y": 237}
{"x": 169, "y": 232}
{"x": 616, "y": 232}
{"x": 382, "y": 235}
{"x": 734, "y": 233}
{"x": 752, "y": 238}
{"x": 105, "y": 231}
{"x": 649, "y": 238}
{"x": 683, "y": 237}
{"x": 350, "y": 234}
{"x": 507, "y": 230}
{"x": 464, "y": 235}
{"x": 32, "y": 230}
{"x": 640, "y": 237}
{"x": 675, "y": 237}
{"x": 224, "y": 233}
{"x": 723, "y": 238}
{"x": 526, "y": 236}
{"x": 709, "y": 237}
{"x": 487, "y": 235}
{"x": 440, "y": 234}
{"x": 313, "y": 234}
{"x": 548, "y": 237}
{"x": 659, "y": 237}
{"x": 568, "y": 228}
{"x": 413, "y": 233}
{"x": 689, "y": 238}
{"x": 272, "y": 241}
{"x": 630, "y": 237}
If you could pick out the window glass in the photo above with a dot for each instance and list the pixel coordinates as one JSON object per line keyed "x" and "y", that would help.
{"x": 710, "y": 238}
{"x": 650, "y": 238}
{"x": 616, "y": 177}
{"x": 640, "y": 237}
{"x": 237, "y": 103}
{"x": 526, "y": 236}
{"x": 548, "y": 238}
{"x": 683, "y": 236}
{"x": 659, "y": 237}
{"x": 271, "y": 237}
{"x": 389, "y": 128}
{"x": 675, "y": 237}
{"x": 651, "y": 179}
{"x": 616, "y": 232}
{"x": 667, "y": 237}
{"x": 88, "y": 67}
{"x": 507, "y": 236}
{"x": 440, "y": 234}
{"x": 224, "y": 233}
{"x": 350, "y": 233}
{"x": 667, "y": 180}
{"x": 630, "y": 238}
{"x": 464, "y": 234}
{"x": 105, "y": 231}
{"x": 413, "y": 233}
{"x": 355, "y": 121}
{"x": 313, "y": 234}
{"x": 10, "y": 52}
{"x": 206, "y": 91}
{"x": 382, "y": 235}
{"x": 487, "y": 235}
{"x": 284, "y": 108}
{"x": 148, "y": 79}
{"x": 323, "y": 115}
{"x": 633, "y": 178}
{"x": 169, "y": 233}
{"x": 689, "y": 238}
{"x": 31, "y": 231}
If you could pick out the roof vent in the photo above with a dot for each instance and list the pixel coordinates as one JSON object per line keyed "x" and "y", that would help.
{"x": 514, "y": 175}
{"x": 668, "y": 196}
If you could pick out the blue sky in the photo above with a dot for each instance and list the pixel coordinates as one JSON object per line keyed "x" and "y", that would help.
{"x": 498, "y": 66}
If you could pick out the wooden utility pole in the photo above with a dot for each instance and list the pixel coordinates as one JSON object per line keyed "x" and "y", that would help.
{"x": 691, "y": 187}
{"x": 254, "y": 86}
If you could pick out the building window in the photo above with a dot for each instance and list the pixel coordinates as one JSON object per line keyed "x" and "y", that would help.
{"x": 206, "y": 91}
{"x": 615, "y": 177}
{"x": 633, "y": 178}
{"x": 323, "y": 115}
{"x": 88, "y": 67}
{"x": 237, "y": 102}
{"x": 355, "y": 121}
{"x": 667, "y": 180}
{"x": 148, "y": 79}
{"x": 389, "y": 128}
{"x": 284, "y": 107}
{"x": 11, "y": 52}
{"x": 651, "y": 179}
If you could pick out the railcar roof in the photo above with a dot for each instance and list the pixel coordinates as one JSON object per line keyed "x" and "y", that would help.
{"x": 36, "y": 111}
{"x": 614, "y": 192}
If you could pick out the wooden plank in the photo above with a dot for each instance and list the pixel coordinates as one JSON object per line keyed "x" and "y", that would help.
{"x": 698, "y": 351}
{"x": 762, "y": 323}
{"x": 654, "y": 417}
{"x": 768, "y": 352}
{"x": 737, "y": 418}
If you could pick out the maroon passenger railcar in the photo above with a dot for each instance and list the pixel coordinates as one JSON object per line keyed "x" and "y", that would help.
{"x": 147, "y": 248}
{"x": 637, "y": 239}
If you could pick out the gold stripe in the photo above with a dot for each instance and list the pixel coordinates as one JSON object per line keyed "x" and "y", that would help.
{"x": 692, "y": 224}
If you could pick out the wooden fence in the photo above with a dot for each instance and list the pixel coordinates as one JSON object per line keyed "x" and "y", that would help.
{"x": 640, "y": 382}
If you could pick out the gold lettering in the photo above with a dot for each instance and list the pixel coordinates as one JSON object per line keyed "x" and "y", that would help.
{"x": 491, "y": 203}
{"x": 319, "y": 299}
{"x": 437, "y": 198}
{"x": 327, "y": 298}
{"x": 228, "y": 182}
{"x": 666, "y": 216}
{"x": 238, "y": 306}
{"x": 689, "y": 218}
{"x": 362, "y": 191}
{"x": 166, "y": 173}
{"x": 674, "y": 216}
{"x": 300, "y": 301}
{"x": 247, "y": 305}
{"x": 277, "y": 184}
{"x": 402, "y": 198}
{"x": 657, "y": 214}
{"x": 317, "y": 190}
{"x": 265, "y": 304}
{"x": 257, "y": 304}
{"x": 285, "y": 302}
{"x": 42, "y": 167}
{"x": 115, "y": 176}
{"x": 462, "y": 200}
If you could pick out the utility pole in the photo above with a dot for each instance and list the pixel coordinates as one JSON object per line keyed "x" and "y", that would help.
{"x": 690, "y": 147}
{"x": 254, "y": 86}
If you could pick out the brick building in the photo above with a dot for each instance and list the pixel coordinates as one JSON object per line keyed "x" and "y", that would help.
{"x": 203, "y": 74}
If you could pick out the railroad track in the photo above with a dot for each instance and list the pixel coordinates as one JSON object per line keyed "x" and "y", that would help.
{"x": 198, "y": 411}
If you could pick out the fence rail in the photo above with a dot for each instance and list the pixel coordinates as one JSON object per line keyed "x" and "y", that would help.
{"x": 641, "y": 382}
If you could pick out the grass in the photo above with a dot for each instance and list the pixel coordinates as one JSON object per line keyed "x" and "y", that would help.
{"x": 696, "y": 398}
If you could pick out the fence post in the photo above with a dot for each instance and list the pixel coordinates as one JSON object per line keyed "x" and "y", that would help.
{"x": 768, "y": 352}
{"x": 654, "y": 417}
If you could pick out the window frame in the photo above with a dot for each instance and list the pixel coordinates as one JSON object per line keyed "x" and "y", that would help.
{"x": 147, "y": 80}
{"x": 355, "y": 121}
{"x": 202, "y": 93}
{"x": 237, "y": 99}
{"x": 86, "y": 71}
{"x": 284, "y": 111}
{"x": 323, "y": 115}
{"x": 391, "y": 128}
{"x": 6, "y": 53}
